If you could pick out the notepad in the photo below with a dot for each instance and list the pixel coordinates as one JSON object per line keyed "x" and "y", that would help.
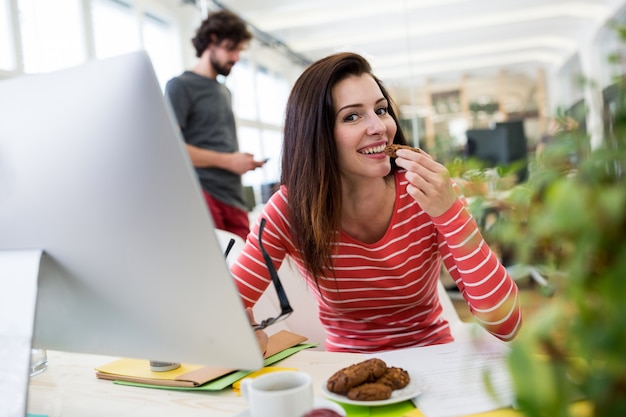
{"x": 193, "y": 376}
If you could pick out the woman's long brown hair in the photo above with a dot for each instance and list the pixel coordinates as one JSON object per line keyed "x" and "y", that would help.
{"x": 310, "y": 168}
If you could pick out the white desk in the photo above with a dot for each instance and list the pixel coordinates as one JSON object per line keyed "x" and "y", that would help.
{"x": 69, "y": 388}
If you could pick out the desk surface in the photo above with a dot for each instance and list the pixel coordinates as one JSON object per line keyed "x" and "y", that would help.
{"x": 69, "y": 388}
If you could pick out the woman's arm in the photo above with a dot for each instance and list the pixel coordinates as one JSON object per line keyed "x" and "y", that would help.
{"x": 490, "y": 292}
{"x": 249, "y": 269}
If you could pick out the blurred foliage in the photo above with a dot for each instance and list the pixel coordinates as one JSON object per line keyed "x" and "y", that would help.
{"x": 571, "y": 216}
{"x": 460, "y": 166}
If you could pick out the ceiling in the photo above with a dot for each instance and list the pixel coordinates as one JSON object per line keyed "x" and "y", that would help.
{"x": 413, "y": 40}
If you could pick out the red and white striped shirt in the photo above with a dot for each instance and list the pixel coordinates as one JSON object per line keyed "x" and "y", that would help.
{"x": 384, "y": 295}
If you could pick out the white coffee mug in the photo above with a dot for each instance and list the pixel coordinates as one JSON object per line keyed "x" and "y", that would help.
{"x": 278, "y": 394}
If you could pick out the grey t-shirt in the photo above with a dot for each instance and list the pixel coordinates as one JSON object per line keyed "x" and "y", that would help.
{"x": 203, "y": 108}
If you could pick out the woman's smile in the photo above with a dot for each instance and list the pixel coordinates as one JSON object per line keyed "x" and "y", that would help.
{"x": 373, "y": 150}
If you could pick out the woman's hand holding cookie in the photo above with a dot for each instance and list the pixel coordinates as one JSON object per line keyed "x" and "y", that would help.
{"x": 429, "y": 181}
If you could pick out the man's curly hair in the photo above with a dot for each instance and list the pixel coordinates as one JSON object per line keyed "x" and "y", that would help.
{"x": 220, "y": 26}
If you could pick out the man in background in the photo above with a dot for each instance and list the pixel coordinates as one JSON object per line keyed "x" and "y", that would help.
{"x": 203, "y": 108}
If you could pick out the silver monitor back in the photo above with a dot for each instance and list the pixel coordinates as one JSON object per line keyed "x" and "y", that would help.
{"x": 94, "y": 172}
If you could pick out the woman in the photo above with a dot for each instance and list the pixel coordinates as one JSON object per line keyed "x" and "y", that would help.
{"x": 369, "y": 232}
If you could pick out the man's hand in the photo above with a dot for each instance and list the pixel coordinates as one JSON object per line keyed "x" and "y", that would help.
{"x": 240, "y": 162}
{"x": 236, "y": 162}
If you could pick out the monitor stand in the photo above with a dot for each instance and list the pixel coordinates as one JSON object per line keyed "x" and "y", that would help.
{"x": 19, "y": 272}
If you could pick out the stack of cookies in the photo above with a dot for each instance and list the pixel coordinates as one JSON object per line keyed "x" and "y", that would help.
{"x": 370, "y": 380}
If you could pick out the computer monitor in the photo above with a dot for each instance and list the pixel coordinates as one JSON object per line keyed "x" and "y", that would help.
{"x": 503, "y": 145}
{"x": 94, "y": 172}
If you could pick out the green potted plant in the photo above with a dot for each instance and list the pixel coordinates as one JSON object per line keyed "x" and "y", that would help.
{"x": 572, "y": 215}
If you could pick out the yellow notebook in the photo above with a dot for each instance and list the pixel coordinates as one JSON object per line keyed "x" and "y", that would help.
{"x": 187, "y": 375}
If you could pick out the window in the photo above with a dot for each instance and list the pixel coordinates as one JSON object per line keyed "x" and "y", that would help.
{"x": 241, "y": 83}
{"x": 250, "y": 141}
{"x": 160, "y": 41}
{"x": 272, "y": 141}
{"x": 115, "y": 28}
{"x": 272, "y": 93}
{"x": 52, "y": 35}
{"x": 259, "y": 101}
{"x": 262, "y": 143}
{"x": 55, "y": 34}
{"x": 7, "y": 56}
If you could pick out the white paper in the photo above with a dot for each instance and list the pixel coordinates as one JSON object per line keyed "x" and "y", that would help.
{"x": 454, "y": 375}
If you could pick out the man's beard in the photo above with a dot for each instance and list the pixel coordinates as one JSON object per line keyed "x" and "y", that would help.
{"x": 222, "y": 69}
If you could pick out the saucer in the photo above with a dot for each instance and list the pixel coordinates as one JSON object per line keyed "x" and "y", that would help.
{"x": 317, "y": 403}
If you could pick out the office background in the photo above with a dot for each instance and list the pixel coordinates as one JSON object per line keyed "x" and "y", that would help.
{"x": 451, "y": 65}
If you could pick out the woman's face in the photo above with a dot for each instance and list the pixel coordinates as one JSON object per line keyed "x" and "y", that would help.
{"x": 363, "y": 127}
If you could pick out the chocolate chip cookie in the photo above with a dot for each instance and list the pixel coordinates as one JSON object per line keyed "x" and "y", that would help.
{"x": 390, "y": 150}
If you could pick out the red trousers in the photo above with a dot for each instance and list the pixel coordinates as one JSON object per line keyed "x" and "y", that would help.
{"x": 229, "y": 218}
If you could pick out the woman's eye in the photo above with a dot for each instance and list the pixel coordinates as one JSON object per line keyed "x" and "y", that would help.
{"x": 350, "y": 118}
{"x": 381, "y": 111}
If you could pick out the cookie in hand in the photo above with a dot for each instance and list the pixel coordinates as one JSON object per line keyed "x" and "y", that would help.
{"x": 390, "y": 150}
